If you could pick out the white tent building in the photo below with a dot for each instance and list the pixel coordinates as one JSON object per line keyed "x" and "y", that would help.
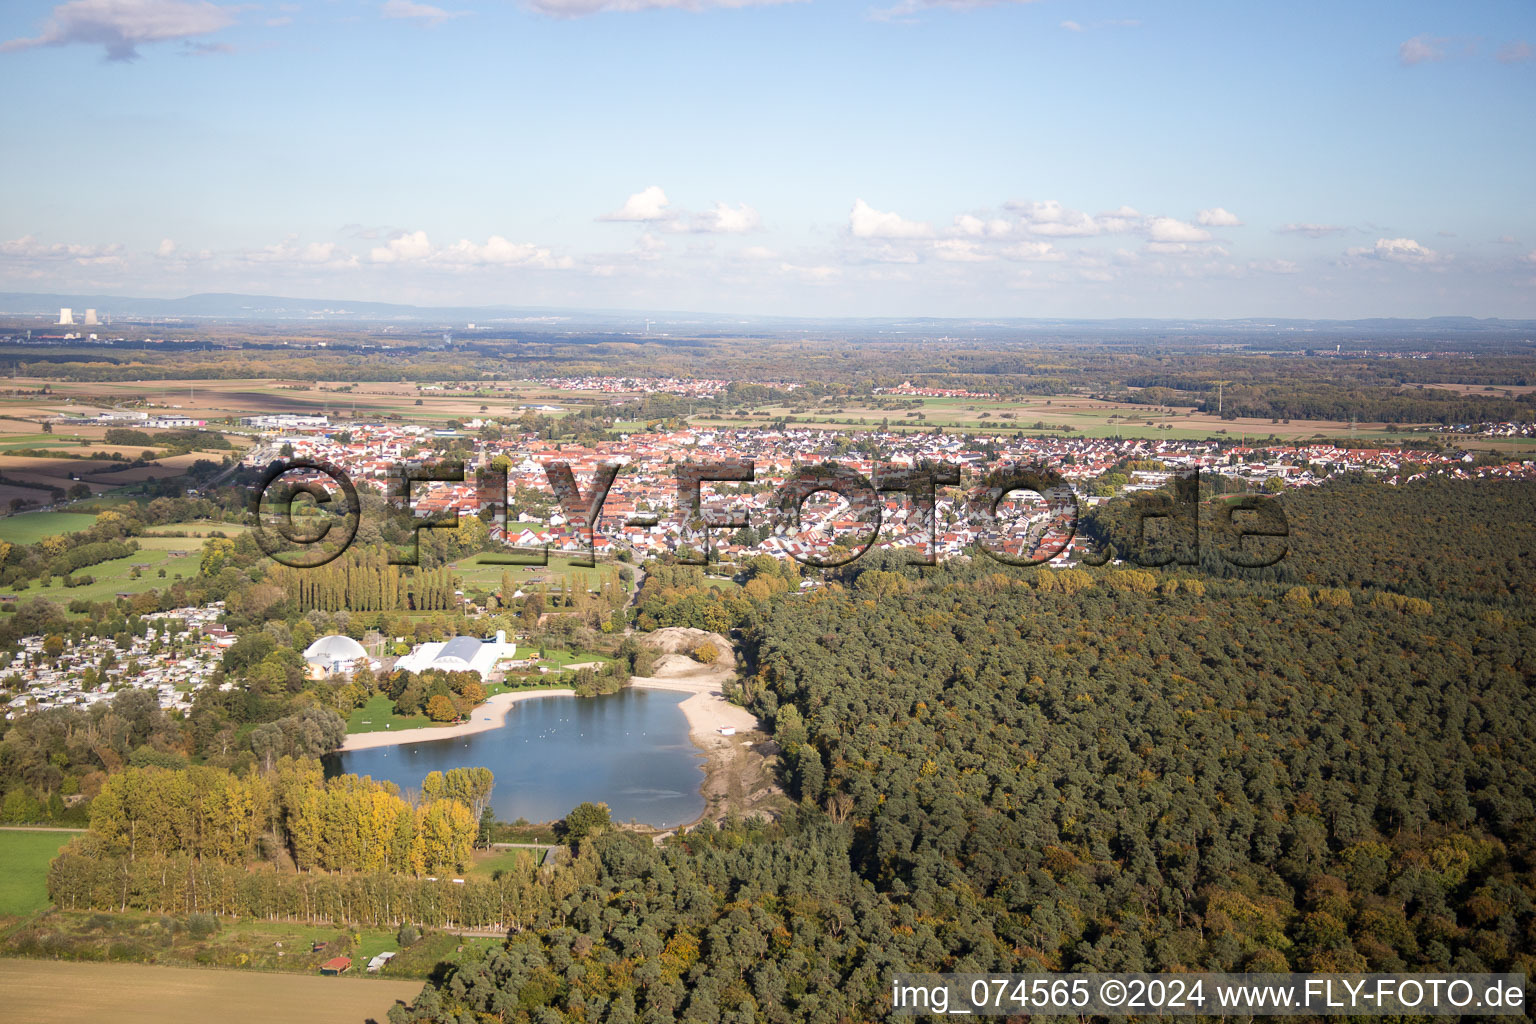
{"x": 334, "y": 655}
{"x": 461, "y": 654}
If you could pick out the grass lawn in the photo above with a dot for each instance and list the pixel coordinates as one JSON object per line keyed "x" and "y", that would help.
{"x": 378, "y": 713}
{"x": 196, "y": 528}
{"x": 564, "y": 658}
{"x": 31, "y": 527}
{"x": 488, "y": 862}
{"x": 23, "y": 880}
{"x": 476, "y": 574}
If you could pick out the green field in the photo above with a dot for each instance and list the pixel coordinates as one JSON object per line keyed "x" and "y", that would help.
{"x": 116, "y": 576}
{"x": 377, "y": 713}
{"x": 488, "y": 862}
{"x": 31, "y": 527}
{"x": 476, "y": 574}
{"x": 24, "y": 875}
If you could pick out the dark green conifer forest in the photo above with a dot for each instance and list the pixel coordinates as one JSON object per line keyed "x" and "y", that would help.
{"x": 1322, "y": 766}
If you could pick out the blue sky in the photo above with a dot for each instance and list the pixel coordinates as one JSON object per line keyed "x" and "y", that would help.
{"x": 825, "y": 157}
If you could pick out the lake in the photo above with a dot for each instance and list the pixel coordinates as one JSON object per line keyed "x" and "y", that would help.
{"x": 629, "y": 750}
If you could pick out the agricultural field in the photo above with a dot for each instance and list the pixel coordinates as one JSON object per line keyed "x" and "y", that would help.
{"x": 31, "y": 527}
{"x": 225, "y": 402}
{"x": 1086, "y": 417}
{"x": 25, "y": 854}
{"x": 50, "y": 992}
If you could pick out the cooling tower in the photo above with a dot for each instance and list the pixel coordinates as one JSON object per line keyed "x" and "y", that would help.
{"x": 90, "y": 318}
{"x": 66, "y": 316}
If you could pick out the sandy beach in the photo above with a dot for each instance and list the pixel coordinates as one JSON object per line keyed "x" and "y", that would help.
{"x": 485, "y": 717}
{"x": 735, "y": 774}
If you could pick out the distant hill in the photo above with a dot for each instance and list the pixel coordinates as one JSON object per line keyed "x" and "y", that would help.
{"x": 234, "y": 306}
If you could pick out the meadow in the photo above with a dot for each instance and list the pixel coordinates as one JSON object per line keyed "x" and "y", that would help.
{"x": 25, "y": 854}
{"x": 31, "y": 527}
{"x": 478, "y": 574}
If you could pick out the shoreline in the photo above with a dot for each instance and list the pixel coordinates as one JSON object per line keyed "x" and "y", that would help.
{"x": 490, "y": 715}
{"x": 705, "y": 710}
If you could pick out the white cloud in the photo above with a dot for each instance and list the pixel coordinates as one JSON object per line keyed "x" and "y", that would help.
{"x": 1422, "y": 48}
{"x": 1514, "y": 53}
{"x": 166, "y": 249}
{"x": 906, "y": 8}
{"x": 582, "y": 8}
{"x": 498, "y": 252}
{"x": 864, "y": 221}
{"x": 758, "y": 252}
{"x": 120, "y": 26}
{"x": 975, "y": 227}
{"x": 1116, "y": 222}
{"x": 28, "y": 249}
{"x": 425, "y": 13}
{"x": 649, "y": 204}
{"x": 312, "y": 254}
{"x": 1050, "y": 218}
{"x": 404, "y": 248}
{"x": 415, "y": 247}
{"x": 726, "y": 219}
{"x": 811, "y": 274}
{"x": 1168, "y": 229}
{"x": 1071, "y": 26}
{"x": 1031, "y": 252}
{"x": 1396, "y": 250}
{"x": 958, "y": 250}
{"x": 1311, "y": 230}
{"x": 1216, "y": 217}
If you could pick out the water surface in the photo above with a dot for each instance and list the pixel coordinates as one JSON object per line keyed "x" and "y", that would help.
{"x": 629, "y": 750}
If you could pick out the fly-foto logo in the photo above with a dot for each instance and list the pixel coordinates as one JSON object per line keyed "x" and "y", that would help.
{"x": 1162, "y": 527}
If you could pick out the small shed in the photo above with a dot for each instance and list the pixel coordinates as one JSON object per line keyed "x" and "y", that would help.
{"x": 378, "y": 962}
{"x": 336, "y": 965}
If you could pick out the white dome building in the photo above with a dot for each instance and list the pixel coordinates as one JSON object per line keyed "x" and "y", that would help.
{"x": 334, "y": 655}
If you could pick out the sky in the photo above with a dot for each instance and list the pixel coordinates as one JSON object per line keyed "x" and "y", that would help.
{"x": 1052, "y": 158}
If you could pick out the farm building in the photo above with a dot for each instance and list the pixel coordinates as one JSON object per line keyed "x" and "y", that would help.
{"x": 336, "y": 965}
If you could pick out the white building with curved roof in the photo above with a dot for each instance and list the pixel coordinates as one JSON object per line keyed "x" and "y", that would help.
{"x": 335, "y": 655}
{"x": 461, "y": 654}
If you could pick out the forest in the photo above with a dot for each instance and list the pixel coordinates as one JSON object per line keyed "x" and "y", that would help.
{"x": 1116, "y": 769}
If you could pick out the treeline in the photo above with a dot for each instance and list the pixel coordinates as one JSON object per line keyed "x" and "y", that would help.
{"x": 77, "y": 879}
{"x": 1120, "y": 769}
{"x": 176, "y": 440}
{"x": 680, "y": 595}
{"x": 1473, "y": 539}
{"x": 344, "y": 824}
{"x": 364, "y": 581}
